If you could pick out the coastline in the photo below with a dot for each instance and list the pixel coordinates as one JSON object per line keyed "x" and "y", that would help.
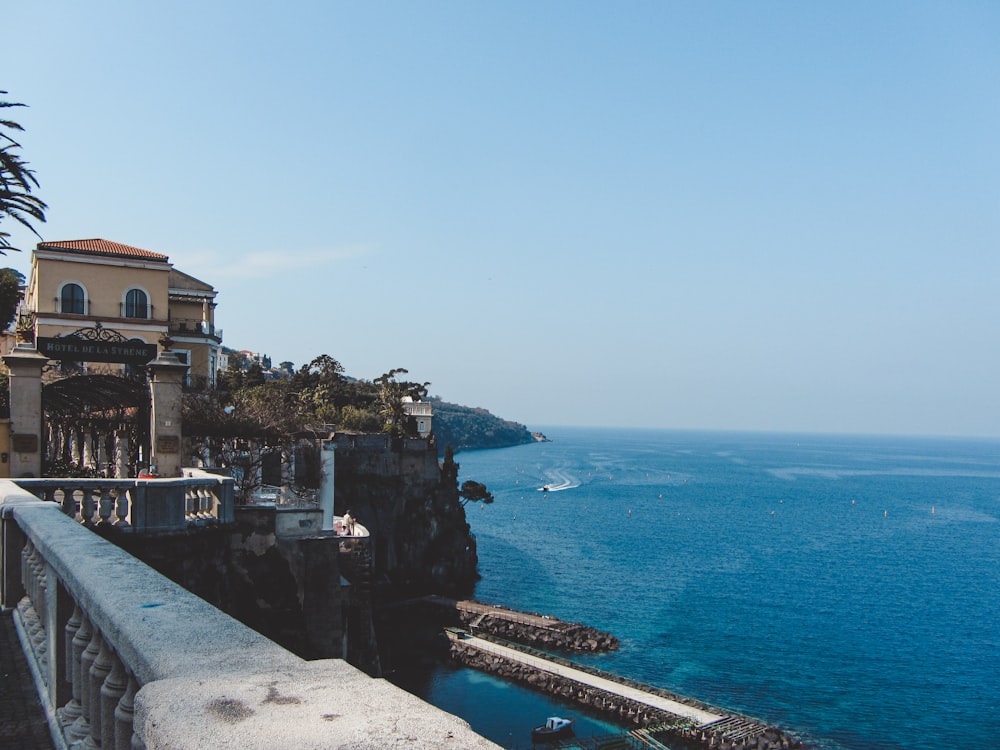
{"x": 506, "y": 645}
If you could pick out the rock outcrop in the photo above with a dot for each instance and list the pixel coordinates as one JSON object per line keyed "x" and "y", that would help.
{"x": 396, "y": 488}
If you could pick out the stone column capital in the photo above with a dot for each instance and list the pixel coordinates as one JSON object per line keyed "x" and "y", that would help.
{"x": 25, "y": 359}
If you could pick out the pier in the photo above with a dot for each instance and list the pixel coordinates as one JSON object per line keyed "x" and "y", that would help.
{"x": 660, "y": 716}
{"x": 696, "y": 715}
{"x": 542, "y": 631}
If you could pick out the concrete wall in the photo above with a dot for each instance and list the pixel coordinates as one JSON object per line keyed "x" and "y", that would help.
{"x": 205, "y": 679}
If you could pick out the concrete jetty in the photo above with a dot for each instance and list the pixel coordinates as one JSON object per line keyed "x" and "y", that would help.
{"x": 696, "y": 715}
{"x": 659, "y": 717}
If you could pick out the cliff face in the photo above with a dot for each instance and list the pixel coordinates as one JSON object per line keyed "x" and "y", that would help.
{"x": 421, "y": 540}
{"x": 469, "y": 428}
{"x": 286, "y": 589}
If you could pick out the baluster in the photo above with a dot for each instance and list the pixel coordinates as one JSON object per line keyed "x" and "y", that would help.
{"x": 39, "y": 600}
{"x": 105, "y": 506}
{"x": 71, "y": 711}
{"x": 197, "y": 505}
{"x": 121, "y": 507}
{"x": 35, "y": 568}
{"x": 211, "y": 505}
{"x": 88, "y": 508}
{"x": 124, "y": 716}
{"x": 213, "y": 502}
{"x": 27, "y": 577}
{"x": 87, "y": 659}
{"x": 204, "y": 504}
{"x": 68, "y": 502}
{"x": 81, "y": 643}
{"x": 197, "y": 514}
{"x": 111, "y": 693}
{"x": 98, "y": 673}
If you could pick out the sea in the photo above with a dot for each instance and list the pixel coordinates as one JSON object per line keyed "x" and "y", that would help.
{"x": 843, "y": 588}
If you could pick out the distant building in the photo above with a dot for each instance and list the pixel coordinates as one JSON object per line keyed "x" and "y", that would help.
{"x": 420, "y": 413}
{"x": 78, "y": 284}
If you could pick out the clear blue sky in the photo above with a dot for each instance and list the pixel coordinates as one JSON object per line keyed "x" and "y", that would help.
{"x": 732, "y": 215}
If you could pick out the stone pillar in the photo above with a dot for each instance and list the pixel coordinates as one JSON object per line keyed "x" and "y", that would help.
{"x": 25, "y": 365}
{"x": 87, "y": 450}
{"x": 166, "y": 376}
{"x": 121, "y": 454}
{"x": 103, "y": 463}
{"x": 327, "y": 454}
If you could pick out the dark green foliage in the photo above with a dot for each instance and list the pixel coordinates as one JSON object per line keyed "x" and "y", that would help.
{"x": 468, "y": 428}
{"x": 390, "y": 397}
{"x": 253, "y": 376}
{"x": 475, "y": 492}
{"x": 16, "y": 181}
{"x": 319, "y": 395}
{"x": 10, "y": 296}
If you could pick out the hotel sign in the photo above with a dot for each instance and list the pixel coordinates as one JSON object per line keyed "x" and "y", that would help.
{"x": 77, "y": 349}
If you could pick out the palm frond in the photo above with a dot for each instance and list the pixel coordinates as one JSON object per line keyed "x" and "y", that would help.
{"x": 16, "y": 181}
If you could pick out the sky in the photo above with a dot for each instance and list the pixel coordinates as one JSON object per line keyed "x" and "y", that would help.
{"x": 775, "y": 216}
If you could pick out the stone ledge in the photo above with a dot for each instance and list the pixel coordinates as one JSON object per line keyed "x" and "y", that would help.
{"x": 323, "y": 704}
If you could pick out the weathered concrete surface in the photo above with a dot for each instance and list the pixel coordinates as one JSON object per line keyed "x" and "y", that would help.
{"x": 208, "y": 680}
{"x": 159, "y": 629}
{"x": 324, "y": 704}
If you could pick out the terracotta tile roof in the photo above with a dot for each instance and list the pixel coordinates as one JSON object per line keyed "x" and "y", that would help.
{"x": 101, "y": 247}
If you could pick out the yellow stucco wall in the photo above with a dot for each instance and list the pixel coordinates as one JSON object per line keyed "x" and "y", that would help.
{"x": 105, "y": 285}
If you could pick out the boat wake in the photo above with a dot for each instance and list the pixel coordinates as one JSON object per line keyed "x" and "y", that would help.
{"x": 558, "y": 480}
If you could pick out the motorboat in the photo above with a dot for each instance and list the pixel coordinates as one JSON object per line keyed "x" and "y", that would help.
{"x": 554, "y": 728}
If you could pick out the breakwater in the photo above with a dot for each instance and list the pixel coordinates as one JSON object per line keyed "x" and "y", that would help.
{"x": 541, "y": 631}
{"x": 660, "y": 715}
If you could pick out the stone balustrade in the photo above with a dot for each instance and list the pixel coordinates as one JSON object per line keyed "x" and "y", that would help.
{"x": 142, "y": 506}
{"x": 126, "y": 659}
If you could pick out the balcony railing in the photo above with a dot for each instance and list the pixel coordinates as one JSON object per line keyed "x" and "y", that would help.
{"x": 194, "y": 326}
{"x": 126, "y": 659}
{"x": 141, "y": 506}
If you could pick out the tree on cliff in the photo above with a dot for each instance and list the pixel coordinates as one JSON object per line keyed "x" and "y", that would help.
{"x": 390, "y": 396}
{"x": 475, "y": 492}
{"x": 470, "y": 491}
{"x": 16, "y": 181}
{"x": 321, "y": 389}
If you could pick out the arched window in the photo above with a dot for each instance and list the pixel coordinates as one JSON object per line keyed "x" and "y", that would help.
{"x": 136, "y": 304}
{"x": 72, "y": 299}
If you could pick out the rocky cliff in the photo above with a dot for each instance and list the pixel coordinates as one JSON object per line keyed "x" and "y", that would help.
{"x": 473, "y": 428}
{"x": 396, "y": 488}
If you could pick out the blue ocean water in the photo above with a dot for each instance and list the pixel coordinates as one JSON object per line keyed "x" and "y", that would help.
{"x": 844, "y": 588}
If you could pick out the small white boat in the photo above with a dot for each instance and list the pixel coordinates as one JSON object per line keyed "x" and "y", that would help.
{"x": 554, "y": 728}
